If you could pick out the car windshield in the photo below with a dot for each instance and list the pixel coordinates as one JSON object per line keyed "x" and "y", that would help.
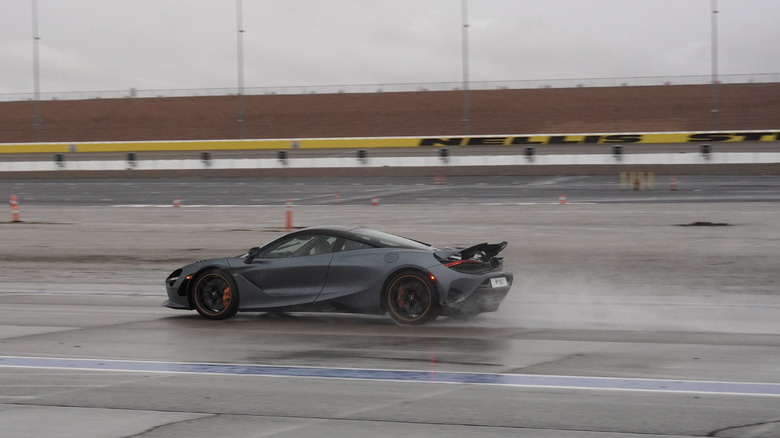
{"x": 379, "y": 238}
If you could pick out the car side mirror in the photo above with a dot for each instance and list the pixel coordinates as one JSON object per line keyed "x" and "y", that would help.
{"x": 251, "y": 255}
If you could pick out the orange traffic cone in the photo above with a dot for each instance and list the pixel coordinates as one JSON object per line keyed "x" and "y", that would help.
{"x": 288, "y": 216}
{"x": 14, "y": 208}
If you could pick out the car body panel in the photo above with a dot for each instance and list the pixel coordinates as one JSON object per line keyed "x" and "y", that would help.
{"x": 359, "y": 273}
{"x": 285, "y": 282}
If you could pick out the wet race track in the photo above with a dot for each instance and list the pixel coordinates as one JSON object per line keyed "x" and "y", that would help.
{"x": 647, "y": 313}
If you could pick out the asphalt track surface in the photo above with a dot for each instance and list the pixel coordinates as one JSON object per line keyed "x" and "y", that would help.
{"x": 444, "y": 191}
{"x": 634, "y": 313}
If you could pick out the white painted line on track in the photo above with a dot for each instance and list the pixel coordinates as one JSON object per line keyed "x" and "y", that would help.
{"x": 509, "y": 380}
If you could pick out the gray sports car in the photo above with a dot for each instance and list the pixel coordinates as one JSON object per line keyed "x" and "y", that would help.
{"x": 345, "y": 269}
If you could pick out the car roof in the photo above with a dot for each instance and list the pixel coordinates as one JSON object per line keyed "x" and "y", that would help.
{"x": 349, "y": 231}
{"x": 331, "y": 229}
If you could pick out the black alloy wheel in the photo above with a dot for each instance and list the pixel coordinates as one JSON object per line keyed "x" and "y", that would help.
{"x": 215, "y": 295}
{"x": 411, "y": 299}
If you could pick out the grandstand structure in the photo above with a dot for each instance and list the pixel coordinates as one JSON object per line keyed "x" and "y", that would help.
{"x": 382, "y": 113}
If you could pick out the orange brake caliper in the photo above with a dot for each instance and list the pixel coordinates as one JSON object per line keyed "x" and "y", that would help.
{"x": 226, "y": 295}
{"x": 401, "y": 300}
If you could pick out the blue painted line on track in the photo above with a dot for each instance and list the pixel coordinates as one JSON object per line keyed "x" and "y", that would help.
{"x": 520, "y": 380}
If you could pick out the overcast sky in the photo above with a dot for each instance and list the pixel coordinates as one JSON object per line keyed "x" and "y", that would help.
{"x": 89, "y": 45}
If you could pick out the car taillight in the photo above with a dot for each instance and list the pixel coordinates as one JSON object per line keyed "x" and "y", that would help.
{"x": 474, "y": 267}
{"x": 459, "y": 262}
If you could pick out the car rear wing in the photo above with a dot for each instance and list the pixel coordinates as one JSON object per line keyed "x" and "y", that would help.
{"x": 483, "y": 251}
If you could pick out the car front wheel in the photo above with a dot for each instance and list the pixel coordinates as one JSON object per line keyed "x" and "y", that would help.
{"x": 215, "y": 295}
{"x": 410, "y": 299}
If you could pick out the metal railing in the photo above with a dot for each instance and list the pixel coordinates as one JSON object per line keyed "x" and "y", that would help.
{"x": 403, "y": 87}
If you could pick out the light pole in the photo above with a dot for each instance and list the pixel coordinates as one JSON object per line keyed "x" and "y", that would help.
{"x": 465, "y": 36}
{"x": 240, "y": 56}
{"x": 714, "y": 28}
{"x": 36, "y": 74}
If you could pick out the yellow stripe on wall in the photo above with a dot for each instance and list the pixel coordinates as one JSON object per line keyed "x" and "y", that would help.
{"x": 393, "y": 142}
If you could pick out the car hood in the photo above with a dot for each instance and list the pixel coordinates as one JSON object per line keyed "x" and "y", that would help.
{"x": 221, "y": 261}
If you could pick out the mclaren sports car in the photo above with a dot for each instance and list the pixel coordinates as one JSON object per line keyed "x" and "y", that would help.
{"x": 346, "y": 269}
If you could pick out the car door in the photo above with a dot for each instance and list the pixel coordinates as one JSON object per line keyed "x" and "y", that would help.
{"x": 356, "y": 273}
{"x": 293, "y": 271}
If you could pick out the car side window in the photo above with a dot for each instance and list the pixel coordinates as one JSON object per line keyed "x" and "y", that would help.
{"x": 319, "y": 245}
{"x": 352, "y": 245}
{"x": 286, "y": 248}
{"x": 298, "y": 246}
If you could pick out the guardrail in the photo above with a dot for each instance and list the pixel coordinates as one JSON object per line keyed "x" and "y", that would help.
{"x": 403, "y": 87}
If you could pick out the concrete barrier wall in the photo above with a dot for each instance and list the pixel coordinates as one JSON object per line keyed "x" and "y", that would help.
{"x": 672, "y": 108}
{"x": 680, "y": 164}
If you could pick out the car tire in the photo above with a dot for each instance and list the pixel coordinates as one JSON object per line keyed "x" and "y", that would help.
{"x": 215, "y": 295}
{"x": 411, "y": 299}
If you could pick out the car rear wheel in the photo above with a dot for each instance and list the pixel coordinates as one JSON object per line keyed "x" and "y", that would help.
{"x": 215, "y": 295}
{"x": 410, "y": 299}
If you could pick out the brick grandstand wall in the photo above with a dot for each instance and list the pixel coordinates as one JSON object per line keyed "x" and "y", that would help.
{"x": 424, "y": 113}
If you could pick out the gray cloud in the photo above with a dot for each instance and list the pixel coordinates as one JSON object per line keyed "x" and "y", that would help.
{"x": 161, "y": 44}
